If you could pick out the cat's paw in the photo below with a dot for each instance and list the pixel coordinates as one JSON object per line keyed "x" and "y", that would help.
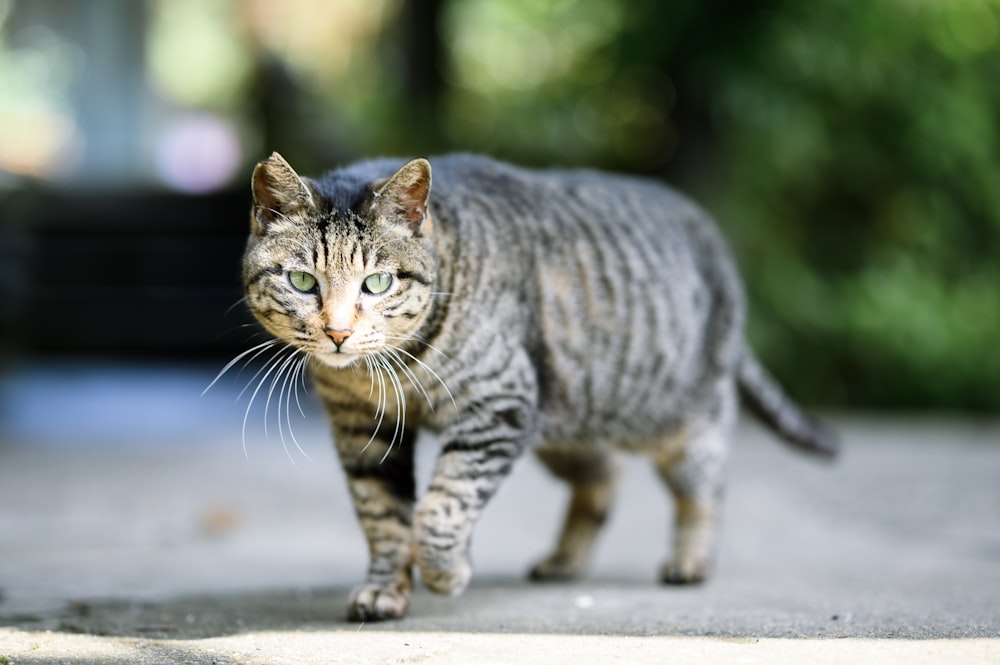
{"x": 445, "y": 575}
{"x": 688, "y": 570}
{"x": 441, "y": 543}
{"x": 376, "y": 602}
{"x": 555, "y": 568}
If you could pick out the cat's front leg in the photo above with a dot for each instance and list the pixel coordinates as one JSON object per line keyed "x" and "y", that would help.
{"x": 476, "y": 455}
{"x": 380, "y": 477}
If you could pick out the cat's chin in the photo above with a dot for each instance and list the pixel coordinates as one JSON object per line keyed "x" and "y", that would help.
{"x": 337, "y": 360}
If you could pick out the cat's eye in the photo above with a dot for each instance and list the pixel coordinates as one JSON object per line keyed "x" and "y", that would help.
{"x": 301, "y": 281}
{"x": 378, "y": 282}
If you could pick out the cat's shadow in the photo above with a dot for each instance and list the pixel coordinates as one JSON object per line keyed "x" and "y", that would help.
{"x": 499, "y": 605}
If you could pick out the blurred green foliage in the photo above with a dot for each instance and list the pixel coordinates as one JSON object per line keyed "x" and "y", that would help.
{"x": 859, "y": 149}
{"x": 850, "y": 150}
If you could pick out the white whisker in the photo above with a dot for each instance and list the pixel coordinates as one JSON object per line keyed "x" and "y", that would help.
{"x": 408, "y": 373}
{"x": 400, "y": 405}
{"x": 302, "y": 375}
{"x": 281, "y": 373}
{"x": 430, "y": 371}
{"x": 300, "y": 371}
{"x": 272, "y": 364}
{"x": 280, "y": 365}
{"x": 371, "y": 376}
{"x": 419, "y": 339}
{"x": 276, "y": 358}
{"x": 236, "y": 304}
{"x": 260, "y": 348}
{"x": 288, "y": 387}
{"x": 380, "y": 409}
{"x": 279, "y": 381}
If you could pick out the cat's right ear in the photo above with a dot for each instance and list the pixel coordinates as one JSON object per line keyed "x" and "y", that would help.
{"x": 278, "y": 193}
{"x": 404, "y": 196}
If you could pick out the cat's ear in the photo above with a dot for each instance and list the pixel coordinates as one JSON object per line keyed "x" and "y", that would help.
{"x": 278, "y": 193}
{"x": 404, "y": 196}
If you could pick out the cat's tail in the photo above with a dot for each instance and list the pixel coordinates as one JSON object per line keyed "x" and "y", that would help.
{"x": 763, "y": 396}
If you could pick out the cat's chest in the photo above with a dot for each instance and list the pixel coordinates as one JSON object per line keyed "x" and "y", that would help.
{"x": 387, "y": 391}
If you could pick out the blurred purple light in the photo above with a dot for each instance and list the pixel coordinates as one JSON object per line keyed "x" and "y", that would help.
{"x": 199, "y": 154}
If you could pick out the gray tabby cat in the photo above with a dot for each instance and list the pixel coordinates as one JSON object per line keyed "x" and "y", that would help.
{"x": 568, "y": 313}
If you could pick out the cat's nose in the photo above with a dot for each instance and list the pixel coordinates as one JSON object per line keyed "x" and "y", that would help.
{"x": 338, "y": 336}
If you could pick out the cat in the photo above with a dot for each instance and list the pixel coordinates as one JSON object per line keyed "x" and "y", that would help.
{"x": 570, "y": 313}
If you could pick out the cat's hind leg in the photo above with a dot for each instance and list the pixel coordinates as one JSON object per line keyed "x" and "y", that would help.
{"x": 694, "y": 472}
{"x": 591, "y": 474}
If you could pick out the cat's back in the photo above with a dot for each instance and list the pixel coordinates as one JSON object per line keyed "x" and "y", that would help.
{"x": 551, "y": 205}
{"x": 625, "y": 291}
{"x": 583, "y": 223}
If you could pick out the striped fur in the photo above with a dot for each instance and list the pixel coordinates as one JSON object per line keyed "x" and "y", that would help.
{"x": 567, "y": 312}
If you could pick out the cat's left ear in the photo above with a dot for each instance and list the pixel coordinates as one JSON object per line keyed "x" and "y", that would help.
{"x": 278, "y": 193}
{"x": 404, "y": 196}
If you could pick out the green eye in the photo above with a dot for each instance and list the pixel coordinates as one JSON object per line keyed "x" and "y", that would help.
{"x": 301, "y": 281}
{"x": 378, "y": 283}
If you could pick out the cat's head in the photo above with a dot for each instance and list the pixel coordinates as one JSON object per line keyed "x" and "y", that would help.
{"x": 343, "y": 267}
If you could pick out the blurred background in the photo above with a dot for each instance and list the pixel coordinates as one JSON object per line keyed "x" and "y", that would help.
{"x": 850, "y": 151}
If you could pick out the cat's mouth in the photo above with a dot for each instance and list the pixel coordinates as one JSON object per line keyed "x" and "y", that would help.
{"x": 338, "y": 359}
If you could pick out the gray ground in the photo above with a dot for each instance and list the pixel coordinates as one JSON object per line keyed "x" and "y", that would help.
{"x": 134, "y": 529}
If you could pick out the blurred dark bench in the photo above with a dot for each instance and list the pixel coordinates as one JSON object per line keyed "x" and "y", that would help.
{"x": 107, "y": 273}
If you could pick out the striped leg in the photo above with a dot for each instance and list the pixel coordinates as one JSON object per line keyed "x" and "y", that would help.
{"x": 383, "y": 491}
{"x": 695, "y": 475}
{"x": 591, "y": 473}
{"x": 477, "y": 455}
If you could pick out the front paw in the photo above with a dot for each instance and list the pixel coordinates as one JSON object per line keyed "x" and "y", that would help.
{"x": 376, "y": 602}
{"x": 447, "y": 573}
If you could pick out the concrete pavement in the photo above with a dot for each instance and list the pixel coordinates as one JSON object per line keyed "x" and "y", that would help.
{"x": 133, "y": 528}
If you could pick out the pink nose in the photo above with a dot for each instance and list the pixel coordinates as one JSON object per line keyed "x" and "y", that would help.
{"x": 338, "y": 336}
